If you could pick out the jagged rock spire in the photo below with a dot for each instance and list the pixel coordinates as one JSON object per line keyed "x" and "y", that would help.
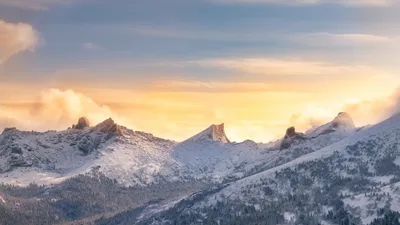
{"x": 218, "y": 133}
{"x": 214, "y": 133}
{"x": 109, "y": 127}
{"x": 290, "y": 132}
{"x": 83, "y": 122}
{"x": 291, "y": 136}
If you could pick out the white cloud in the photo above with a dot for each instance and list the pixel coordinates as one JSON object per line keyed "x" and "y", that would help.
{"x": 361, "y": 2}
{"x": 198, "y": 86}
{"x": 312, "y": 116}
{"x": 270, "y": 66}
{"x": 323, "y": 39}
{"x": 34, "y": 4}
{"x": 91, "y": 46}
{"x": 375, "y": 110}
{"x": 15, "y": 38}
{"x": 345, "y": 39}
{"x": 199, "y": 33}
{"x": 363, "y": 112}
{"x": 350, "y": 3}
{"x": 57, "y": 109}
{"x": 7, "y": 120}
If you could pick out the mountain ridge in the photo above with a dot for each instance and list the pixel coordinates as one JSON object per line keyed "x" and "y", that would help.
{"x": 214, "y": 133}
{"x": 116, "y": 150}
{"x": 316, "y": 180}
{"x": 355, "y": 179}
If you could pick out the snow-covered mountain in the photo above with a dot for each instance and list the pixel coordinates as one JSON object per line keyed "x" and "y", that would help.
{"x": 341, "y": 126}
{"x": 351, "y": 181}
{"x": 342, "y": 122}
{"x": 54, "y": 156}
{"x": 137, "y": 158}
{"x": 332, "y": 174}
{"x": 214, "y": 133}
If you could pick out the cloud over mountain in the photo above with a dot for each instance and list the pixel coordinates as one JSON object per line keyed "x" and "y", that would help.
{"x": 363, "y": 112}
{"x": 15, "y": 38}
{"x": 57, "y": 109}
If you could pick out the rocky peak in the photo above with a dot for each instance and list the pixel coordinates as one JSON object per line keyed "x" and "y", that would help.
{"x": 106, "y": 123}
{"x": 291, "y": 132}
{"x": 342, "y": 122}
{"x": 291, "y": 137}
{"x": 214, "y": 132}
{"x": 9, "y": 129}
{"x": 97, "y": 135}
{"x": 109, "y": 127}
{"x": 83, "y": 122}
{"x": 343, "y": 119}
{"x": 218, "y": 133}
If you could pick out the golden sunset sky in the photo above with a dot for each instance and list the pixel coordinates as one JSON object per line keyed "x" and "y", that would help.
{"x": 174, "y": 69}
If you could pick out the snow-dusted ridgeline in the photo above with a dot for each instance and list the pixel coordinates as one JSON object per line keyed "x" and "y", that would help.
{"x": 138, "y": 158}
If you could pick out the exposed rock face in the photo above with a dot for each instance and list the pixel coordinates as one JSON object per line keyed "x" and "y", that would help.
{"x": 109, "y": 127}
{"x": 9, "y": 129}
{"x": 343, "y": 120}
{"x": 291, "y": 132}
{"x": 101, "y": 133}
{"x": 214, "y": 133}
{"x": 14, "y": 153}
{"x": 83, "y": 122}
{"x": 17, "y": 160}
{"x": 341, "y": 123}
{"x": 88, "y": 144}
{"x": 218, "y": 133}
{"x": 105, "y": 125}
{"x": 291, "y": 137}
{"x": 16, "y": 150}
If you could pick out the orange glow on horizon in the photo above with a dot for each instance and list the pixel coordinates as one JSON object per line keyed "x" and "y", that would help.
{"x": 250, "y": 113}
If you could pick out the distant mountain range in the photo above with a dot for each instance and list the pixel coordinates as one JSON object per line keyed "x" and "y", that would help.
{"x": 332, "y": 174}
{"x": 137, "y": 158}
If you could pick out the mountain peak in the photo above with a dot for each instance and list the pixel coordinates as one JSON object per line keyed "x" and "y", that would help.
{"x": 214, "y": 132}
{"x": 291, "y": 137}
{"x": 343, "y": 119}
{"x": 9, "y": 129}
{"x": 107, "y": 122}
{"x": 342, "y": 122}
{"x": 290, "y": 132}
{"x": 109, "y": 126}
{"x": 218, "y": 133}
{"x": 83, "y": 122}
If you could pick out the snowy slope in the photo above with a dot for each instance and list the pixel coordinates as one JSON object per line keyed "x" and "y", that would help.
{"x": 342, "y": 122}
{"x": 361, "y": 171}
{"x": 389, "y": 129}
{"x": 219, "y": 159}
{"x": 137, "y": 158}
{"x": 52, "y": 156}
{"x": 214, "y": 132}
